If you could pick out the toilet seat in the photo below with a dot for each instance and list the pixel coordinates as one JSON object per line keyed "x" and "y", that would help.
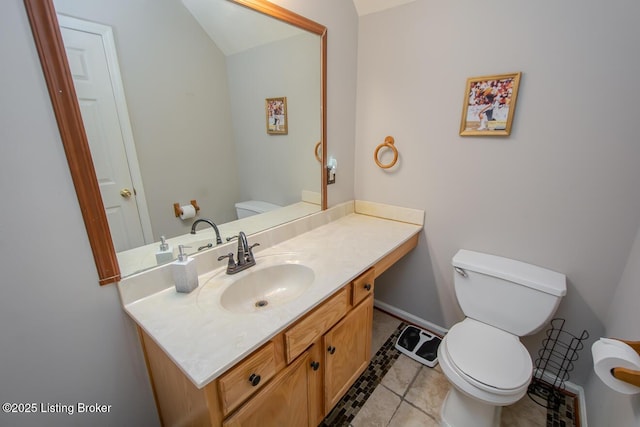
{"x": 487, "y": 357}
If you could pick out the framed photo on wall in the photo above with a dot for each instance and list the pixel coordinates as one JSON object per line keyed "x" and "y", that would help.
{"x": 489, "y": 104}
{"x": 276, "y": 109}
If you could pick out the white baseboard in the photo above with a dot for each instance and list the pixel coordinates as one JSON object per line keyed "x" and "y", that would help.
{"x": 579, "y": 391}
{"x": 410, "y": 317}
{"x": 571, "y": 387}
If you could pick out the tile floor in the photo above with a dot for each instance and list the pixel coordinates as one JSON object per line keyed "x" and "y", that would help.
{"x": 398, "y": 391}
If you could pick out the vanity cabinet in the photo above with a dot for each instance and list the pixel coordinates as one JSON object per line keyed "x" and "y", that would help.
{"x": 294, "y": 379}
{"x": 307, "y": 389}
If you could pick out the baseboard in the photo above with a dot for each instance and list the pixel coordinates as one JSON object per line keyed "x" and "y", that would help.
{"x": 415, "y": 320}
{"x": 410, "y": 318}
{"x": 579, "y": 391}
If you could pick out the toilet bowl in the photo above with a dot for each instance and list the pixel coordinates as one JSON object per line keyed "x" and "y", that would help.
{"x": 488, "y": 368}
{"x": 482, "y": 356}
{"x": 253, "y": 207}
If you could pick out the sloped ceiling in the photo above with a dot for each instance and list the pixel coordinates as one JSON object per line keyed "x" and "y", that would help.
{"x": 235, "y": 29}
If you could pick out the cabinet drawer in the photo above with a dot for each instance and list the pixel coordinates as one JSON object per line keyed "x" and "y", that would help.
{"x": 282, "y": 402}
{"x": 246, "y": 378}
{"x": 363, "y": 286}
{"x": 305, "y": 332}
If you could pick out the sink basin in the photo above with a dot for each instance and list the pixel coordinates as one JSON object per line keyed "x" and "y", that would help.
{"x": 267, "y": 288}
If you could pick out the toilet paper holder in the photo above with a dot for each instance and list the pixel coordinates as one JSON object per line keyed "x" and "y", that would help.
{"x": 178, "y": 211}
{"x": 630, "y": 376}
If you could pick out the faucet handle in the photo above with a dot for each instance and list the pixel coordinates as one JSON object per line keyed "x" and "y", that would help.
{"x": 250, "y": 260}
{"x": 231, "y": 263}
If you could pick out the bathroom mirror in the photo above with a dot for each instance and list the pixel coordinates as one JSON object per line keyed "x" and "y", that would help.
{"x": 49, "y": 42}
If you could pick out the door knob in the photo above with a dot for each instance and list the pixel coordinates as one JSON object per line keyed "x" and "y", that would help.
{"x": 315, "y": 365}
{"x": 125, "y": 192}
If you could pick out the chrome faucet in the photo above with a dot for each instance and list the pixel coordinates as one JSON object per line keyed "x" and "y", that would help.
{"x": 211, "y": 223}
{"x": 245, "y": 255}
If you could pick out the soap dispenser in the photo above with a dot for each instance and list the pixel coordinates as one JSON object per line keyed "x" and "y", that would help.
{"x": 184, "y": 272}
{"x": 165, "y": 253}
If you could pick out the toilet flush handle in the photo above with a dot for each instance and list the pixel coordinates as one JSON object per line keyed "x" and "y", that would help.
{"x": 460, "y": 271}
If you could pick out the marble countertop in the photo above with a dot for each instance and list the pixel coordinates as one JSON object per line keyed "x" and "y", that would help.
{"x": 204, "y": 339}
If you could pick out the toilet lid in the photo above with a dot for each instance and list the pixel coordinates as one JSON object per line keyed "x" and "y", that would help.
{"x": 489, "y": 355}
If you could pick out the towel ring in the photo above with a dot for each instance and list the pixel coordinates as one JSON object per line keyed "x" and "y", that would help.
{"x": 389, "y": 143}
{"x": 318, "y": 155}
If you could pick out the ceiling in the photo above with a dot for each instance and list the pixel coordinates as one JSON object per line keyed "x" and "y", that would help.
{"x": 235, "y": 29}
{"x": 365, "y": 7}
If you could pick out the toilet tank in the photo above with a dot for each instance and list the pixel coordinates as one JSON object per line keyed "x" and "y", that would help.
{"x": 511, "y": 295}
{"x": 253, "y": 207}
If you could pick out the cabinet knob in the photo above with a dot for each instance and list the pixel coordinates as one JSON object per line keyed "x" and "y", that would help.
{"x": 315, "y": 365}
{"x": 367, "y": 286}
{"x": 254, "y": 379}
{"x": 331, "y": 349}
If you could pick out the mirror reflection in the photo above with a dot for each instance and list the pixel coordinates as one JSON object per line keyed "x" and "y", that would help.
{"x": 173, "y": 99}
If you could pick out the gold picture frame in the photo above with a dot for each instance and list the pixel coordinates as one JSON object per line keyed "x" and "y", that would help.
{"x": 277, "y": 119}
{"x": 489, "y": 104}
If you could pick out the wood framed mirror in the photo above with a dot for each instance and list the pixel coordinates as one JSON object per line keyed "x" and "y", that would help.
{"x": 49, "y": 43}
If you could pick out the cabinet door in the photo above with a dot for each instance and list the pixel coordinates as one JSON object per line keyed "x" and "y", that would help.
{"x": 282, "y": 402}
{"x": 347, "y": 349}
{"x": 316, "y": 383}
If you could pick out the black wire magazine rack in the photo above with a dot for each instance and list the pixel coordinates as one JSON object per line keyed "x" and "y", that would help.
{"x": 554, "y": 363}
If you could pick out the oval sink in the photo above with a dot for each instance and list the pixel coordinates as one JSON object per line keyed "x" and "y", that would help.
{"x": 266, "y": 288}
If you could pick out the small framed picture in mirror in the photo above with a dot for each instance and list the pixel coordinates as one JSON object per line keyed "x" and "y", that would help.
{"x": 276, "y": 109}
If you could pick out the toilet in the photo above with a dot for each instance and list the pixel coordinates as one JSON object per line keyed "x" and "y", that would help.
{"x": 482, "y": 356}
{"x": 253, "y": 207}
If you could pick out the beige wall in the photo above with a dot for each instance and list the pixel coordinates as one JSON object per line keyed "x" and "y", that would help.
{"x": 64, "y": 338}
{"x": 561, "y": 192}
{"x": 606, "y": 406}
{"x": 341, "y": 20}
{"x": 276, "y": 168}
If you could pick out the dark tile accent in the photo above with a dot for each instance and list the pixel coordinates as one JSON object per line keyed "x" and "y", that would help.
{"x": 566, "y": 414}
{"x": 347, "y": 408}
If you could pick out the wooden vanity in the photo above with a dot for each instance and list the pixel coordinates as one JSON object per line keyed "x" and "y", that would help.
{"x": 294, "y": 379}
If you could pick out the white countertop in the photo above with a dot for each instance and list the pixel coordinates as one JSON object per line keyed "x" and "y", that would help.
{"x": 205, "y": 340}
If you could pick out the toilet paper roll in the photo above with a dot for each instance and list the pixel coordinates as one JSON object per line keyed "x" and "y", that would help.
{"x": 188, "y": 211}
{"x": 608, "y": 354}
